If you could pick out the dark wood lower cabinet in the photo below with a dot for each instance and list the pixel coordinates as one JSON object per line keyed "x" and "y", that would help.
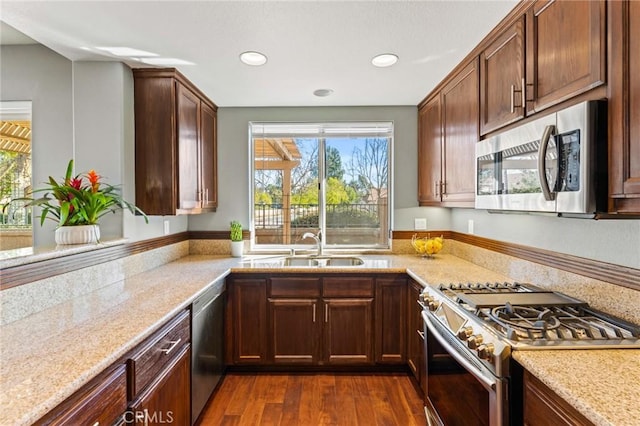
{"x": 294, "y": 331}
{"x": 415, "y": 335}
{"x": 348, "y": 331}
{"x": 168, "y": 399}
{"x": 391, "y": 301}
{"x": 248, "y": 311}
{"x": 102, "y": 401}
{"x": 542, "y": 406}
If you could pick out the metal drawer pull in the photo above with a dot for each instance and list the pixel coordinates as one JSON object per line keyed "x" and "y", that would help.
{"x": 172, "y": 347}
{"x": 314, "y": 312}
{"x": 326, "y": 313}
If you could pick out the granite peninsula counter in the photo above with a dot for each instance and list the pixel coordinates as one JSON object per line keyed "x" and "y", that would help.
{"x": 47, "y": 356}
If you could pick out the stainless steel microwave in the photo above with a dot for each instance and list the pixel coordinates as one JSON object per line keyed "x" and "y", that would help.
{"x": 556, "y": 163}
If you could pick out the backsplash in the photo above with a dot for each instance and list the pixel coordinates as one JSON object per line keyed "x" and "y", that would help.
{"x": 613, "y": 299}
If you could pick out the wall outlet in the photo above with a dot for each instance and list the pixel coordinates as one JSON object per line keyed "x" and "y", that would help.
{"x": 470, "y": 226}
{"x": 420, "y": 223}
{"x": 167, "y": 227}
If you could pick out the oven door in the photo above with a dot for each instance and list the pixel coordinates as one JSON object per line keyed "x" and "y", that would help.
{"x": 460, "y": 390}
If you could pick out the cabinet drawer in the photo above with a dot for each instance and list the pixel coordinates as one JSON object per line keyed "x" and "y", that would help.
{"x": 157, "y": 351}
{"x": 347, "y": 287}
{"x": 295, "y": 287}
{"x": 100, "y": 404}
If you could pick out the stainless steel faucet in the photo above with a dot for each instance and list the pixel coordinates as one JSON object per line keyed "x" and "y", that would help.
{"x": 318, "y": 239}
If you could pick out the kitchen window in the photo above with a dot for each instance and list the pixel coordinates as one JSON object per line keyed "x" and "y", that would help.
{"x": 329, "y": 177}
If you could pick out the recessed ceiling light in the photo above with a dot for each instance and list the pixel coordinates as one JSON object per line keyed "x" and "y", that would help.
{"x": 253, "y": 58}
{"x": 384, "y": 60}
{"x": 323, "y": 92}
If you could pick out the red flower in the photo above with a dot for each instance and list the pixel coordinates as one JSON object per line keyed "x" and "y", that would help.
{"x": 75, "y": 183}
{"x": 93, "y": 179}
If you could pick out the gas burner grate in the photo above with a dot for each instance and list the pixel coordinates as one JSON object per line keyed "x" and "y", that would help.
{"x": 556, "y": 324}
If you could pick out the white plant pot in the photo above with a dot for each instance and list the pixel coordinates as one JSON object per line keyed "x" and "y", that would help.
{"x": 81, "y": 234}
{"x": 236, "y": 248}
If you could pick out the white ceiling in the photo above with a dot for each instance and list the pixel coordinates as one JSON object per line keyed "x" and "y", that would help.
{"x": 310, "y": 44}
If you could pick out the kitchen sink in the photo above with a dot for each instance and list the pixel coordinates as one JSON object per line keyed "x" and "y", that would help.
{"x": 325, "y": 261}
{"x": 300, "y": 261}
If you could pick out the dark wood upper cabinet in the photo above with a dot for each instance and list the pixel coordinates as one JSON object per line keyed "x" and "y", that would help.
{"x": 430, "y": 152}
{"x": 624, "y": 107}
{"x": 460, "y": 109}
{"x": 566, "y": 50}
{"x": 176, "y": 157}
{"x": 502, "y": 81}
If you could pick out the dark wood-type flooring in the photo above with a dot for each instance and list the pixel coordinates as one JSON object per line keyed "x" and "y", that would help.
{"x": 315, "y": 399}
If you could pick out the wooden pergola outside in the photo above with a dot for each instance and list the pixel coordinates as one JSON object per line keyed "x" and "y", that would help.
{"x": 279, "y": 154}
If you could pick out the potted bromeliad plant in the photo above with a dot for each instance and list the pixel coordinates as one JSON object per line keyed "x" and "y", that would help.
{"x": 77, "y": 203}
{"x": 237, "y": 244}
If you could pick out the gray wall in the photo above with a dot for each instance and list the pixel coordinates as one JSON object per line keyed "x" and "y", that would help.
{"x": 233, "y": 160}
{"x": 37, "y": 74}
{"x": 93, "y": 102}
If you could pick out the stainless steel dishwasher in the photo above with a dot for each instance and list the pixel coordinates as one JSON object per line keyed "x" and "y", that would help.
{"x": 207, "y": 355}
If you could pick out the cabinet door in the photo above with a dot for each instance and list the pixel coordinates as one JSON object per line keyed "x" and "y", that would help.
{"x": 168, "y": 399}
{"x": 155, "y": 132}
{"x": 209, "y": 160}
{"x": 542, "y": 406}
{"x": 429, "y": 152}
{"x": 414, "y": 326}
{"x": 502, "y": 79}
{"x": 624, "y": 107}
{"x": 348, "y": 331}
{"x": 188, "y": 109}
{"x": 391, "y": 323}
{"x": 566, "y": 50}
{"x": 460, "y": 128}
{"x": 248, "y": 305}
{"x": 295, "y": 331}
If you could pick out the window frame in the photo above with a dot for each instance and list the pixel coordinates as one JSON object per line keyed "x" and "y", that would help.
{"x": 322, "y": 136}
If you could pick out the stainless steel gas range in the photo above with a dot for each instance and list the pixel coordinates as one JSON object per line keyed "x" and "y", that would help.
{"x": 471, "y": 330}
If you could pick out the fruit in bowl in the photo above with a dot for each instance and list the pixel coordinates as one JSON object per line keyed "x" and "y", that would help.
{"x": 426, "y": 246}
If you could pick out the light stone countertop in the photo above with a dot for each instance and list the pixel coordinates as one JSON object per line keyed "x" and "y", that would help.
{"x": 47, "y": 356}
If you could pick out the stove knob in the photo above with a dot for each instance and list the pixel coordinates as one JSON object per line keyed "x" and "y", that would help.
{"x": 465, "y": 332}
{"x": 474, "y": 342}
{"x": 433, "y": 305}
{"x": 485, "y": 351}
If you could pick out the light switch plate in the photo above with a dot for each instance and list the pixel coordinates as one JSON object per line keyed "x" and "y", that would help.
{"x": 167, "y": 228}
{"x": 420, "y": 223}
{"x": 470, "y": 226}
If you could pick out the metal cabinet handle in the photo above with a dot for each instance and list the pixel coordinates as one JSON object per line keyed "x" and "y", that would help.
{"x": 524, "y": 93}
{"x": 421, "y": 334}
{"x": 326, "y": 313}
{"x": 172, "y": 347}
{"x": 513, "y": 95}
{"x": 443, "y": 187}
{"x": 436, "y": 185}
{"x": 96, "y": 424}
{"x": 314, "y": 312}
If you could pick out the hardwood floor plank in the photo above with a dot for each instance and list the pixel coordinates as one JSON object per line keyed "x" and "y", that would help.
{"x": 272, "y": 414}
{"x": 291, "y": 403}
{"x": 310, "y": 399}
{"x": 345, "y": 402}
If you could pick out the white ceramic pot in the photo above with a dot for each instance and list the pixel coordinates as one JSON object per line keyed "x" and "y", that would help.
{"x": 236, "y": 248}
{"x": 81, "y": 234}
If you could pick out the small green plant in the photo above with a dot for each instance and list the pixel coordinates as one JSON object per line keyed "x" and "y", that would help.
{"x": 236, "y": 231}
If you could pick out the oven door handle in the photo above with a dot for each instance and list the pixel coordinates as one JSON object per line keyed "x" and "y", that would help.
{"x": 489, "y": 382}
